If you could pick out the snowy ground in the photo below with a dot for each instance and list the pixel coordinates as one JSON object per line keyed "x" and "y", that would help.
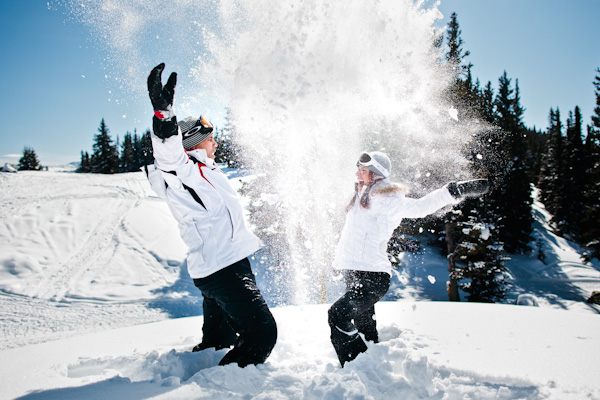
{"x": 93, "y": 287}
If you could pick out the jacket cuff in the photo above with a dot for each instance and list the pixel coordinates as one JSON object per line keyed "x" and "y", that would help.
{"x": 164, "y": 128}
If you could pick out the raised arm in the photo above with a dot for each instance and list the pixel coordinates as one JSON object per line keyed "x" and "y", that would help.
{"x": 166, "y": 141}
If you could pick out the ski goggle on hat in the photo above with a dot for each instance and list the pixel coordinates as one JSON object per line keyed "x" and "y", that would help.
{"x": 194, "y": 131}
{"x": 375, "y": 161}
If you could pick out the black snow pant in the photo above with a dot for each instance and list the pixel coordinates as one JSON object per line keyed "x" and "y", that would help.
{"x": 236, "y": 314}
{"x": 354, "y": 313}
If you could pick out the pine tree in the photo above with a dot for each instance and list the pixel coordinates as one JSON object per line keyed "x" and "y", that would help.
{"x": 574, "y": 178}
{"x": 29, "y": 160}
{"x": 596, "y": 115}
{"x": 137, "y": 153}
{"x": 590, "y": 229}
{"x": 105, "y": 158}
{"x": 472, "y": 102}
{"x": 266, "y": 215}
{"x": 551, "y": 182}
{"x": 231, "y": 153}
{"x": 459, "y": 96}
{"x": 512, "y": 196}
{"x": 127, "y": 160}
{"x": 143, "y": 150}
{"x": 486, "y": 103}
{"x": 480, "y": 262}
{"x": 462, "y": 92}
{"x": 222, "y": 154}
{"x": 536, "y": 148}
{"x": 456, "y": 54}
{"x": 85, "y": 164}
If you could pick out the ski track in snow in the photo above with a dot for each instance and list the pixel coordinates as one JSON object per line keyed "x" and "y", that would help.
{"x": 27, "y": 320}
{"x": 56, "y": 284}
{"x": 40, "y": 306}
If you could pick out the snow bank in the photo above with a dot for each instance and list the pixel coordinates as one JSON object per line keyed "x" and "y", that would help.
{"x": 427, "y": 350}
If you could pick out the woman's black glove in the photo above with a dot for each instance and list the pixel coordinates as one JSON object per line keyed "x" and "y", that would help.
{"x": 472, "y": 188}
{"x": 164, "y": 121}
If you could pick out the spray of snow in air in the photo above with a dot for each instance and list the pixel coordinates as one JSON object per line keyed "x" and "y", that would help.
{"x": 310, "y": 83}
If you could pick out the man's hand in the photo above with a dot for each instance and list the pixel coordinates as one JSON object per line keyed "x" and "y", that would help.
{"x": 164, "y": 121}
{"x": 161, "y": 96}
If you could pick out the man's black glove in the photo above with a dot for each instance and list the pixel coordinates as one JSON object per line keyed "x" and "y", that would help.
{"x": 473, "y": 188}
{"x": 164, "y": 121}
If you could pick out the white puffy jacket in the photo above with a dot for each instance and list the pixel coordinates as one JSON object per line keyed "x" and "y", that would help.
{"x": 208, "y": 210}
{"x": 364, "y": 238}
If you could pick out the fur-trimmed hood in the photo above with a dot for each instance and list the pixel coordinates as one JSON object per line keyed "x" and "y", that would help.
{"x": 384, "y": 186}
{"x": 390, "y": 189}
{"x": 380, "y": 187}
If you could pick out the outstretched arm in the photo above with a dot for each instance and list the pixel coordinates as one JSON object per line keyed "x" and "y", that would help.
{"x": 424, "y": 206}
{"x": 452, "y": 193}
{"x": 166, "y": 143}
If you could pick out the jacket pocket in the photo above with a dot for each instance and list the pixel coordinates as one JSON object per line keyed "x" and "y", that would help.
{"x": 199, "y": 238}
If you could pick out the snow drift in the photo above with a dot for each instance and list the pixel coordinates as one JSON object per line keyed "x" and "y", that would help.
{"x": 92, "y": 282}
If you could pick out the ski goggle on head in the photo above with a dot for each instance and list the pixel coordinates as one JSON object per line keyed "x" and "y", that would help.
{"x": 202, "y": 127}
{"x": 367, "y": 160}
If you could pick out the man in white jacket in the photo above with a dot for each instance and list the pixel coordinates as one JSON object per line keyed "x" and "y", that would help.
{"x": 211, "y": 223}
{"x": 376, "y": 209}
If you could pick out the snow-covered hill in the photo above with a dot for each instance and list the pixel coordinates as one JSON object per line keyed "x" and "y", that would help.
{"x": 93, "y": 285}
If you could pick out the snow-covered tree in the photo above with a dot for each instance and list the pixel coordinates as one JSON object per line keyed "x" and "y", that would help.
{"x": 228, "y": 151}
{"x": 478, "y": 103}
{"x": 479, "y": 261}
{"x": 266, "y": 216}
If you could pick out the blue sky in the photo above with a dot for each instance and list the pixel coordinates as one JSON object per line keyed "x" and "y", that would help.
{"x": 57, "y": 82}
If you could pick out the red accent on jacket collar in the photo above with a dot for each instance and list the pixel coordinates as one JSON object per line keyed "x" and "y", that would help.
{"x": 200, "y": 165}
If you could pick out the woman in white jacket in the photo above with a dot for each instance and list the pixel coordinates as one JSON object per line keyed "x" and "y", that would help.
{"x": 376, "y": 209}
{"x": 211, "y": 223}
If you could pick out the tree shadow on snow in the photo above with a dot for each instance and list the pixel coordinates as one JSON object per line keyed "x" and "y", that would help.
{"x": 547, "y": 280}
{"x": 420, "y": 276}
{"x": 137, "y": 377}
{"x": 550, "y": 284}
{"x": 113, "y": 388}
{"x": 184, "y": 299}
